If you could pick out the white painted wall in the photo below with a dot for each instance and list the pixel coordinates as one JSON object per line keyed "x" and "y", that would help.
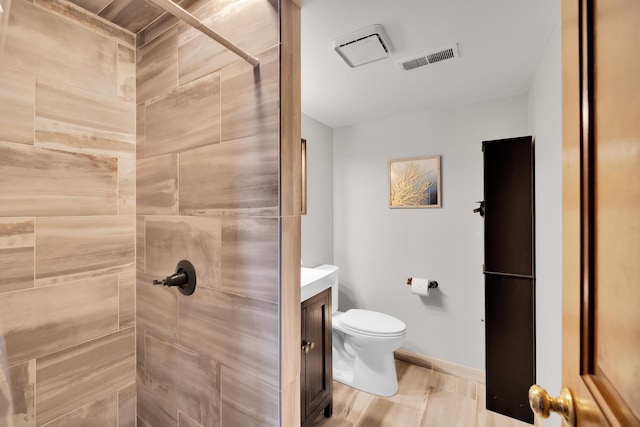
{"x": 545, "y": 122}
{"x": 317, "y": 224}
{"x": 377, "y": 248}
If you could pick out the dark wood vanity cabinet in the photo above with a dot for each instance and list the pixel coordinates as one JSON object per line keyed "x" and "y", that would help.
{"x": 316, "y": 373}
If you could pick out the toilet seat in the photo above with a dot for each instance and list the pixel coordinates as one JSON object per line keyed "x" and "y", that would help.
{"x": 372, "y": 323}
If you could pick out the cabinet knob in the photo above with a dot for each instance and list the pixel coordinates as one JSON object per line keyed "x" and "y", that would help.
{"x": 307, "y": 346}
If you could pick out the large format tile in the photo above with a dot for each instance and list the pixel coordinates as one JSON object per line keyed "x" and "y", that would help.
{"x": 39, "y": 321}
{"x": 186, "y": 117}
{"x": 247, "y": 402}
{"x": 195, "y": 239}
{"x": 74, "y": 377}
{"x": 157, "y": 66}
{"x": 127, "y": 406}
{"x": 78, "y": 120}
{"x": 126, "y": 74}
{"x": 157, "y": 185}
{"x": 101, "y": 413}
{"x": 185, "y": 421}
{"x": 51, "y": 46}
{"x": 154, "y": 411}
{"x": 77, "y": 246}
{"x": 188, "y": 379}
{"x": 140, "y": 242}
{"x": 132, "y": 15}
{"x": 126, "y": 187}
{"x": 252, "y": 25}
{"x": 233, "y": 178}
{"x": 256, "y": 356}
{"x": 89, "y": 20}
{"x": 23, "y": 383}
{"x": 239, "y": 315}
{"x": 17, "y": 103}
{"x": 156, "y": 308}
{"x": 250, "y": 264}
{"x": 58, "y": 183}
{"x": 16, "y": 253}
{"x": 250, "y": 97}
{"x": 127, "y": 297}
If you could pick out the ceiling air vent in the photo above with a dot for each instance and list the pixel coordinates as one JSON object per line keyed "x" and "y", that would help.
{"x": 363, "y": 46}
{"x": 430, "y": 58}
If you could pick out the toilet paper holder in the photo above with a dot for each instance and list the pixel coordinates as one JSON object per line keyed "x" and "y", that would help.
{"x": 432, "y": 283}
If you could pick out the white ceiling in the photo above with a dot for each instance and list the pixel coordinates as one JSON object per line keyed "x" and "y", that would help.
{"x": 501, "y": 43}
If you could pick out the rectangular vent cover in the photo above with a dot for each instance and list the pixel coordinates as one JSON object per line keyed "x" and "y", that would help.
{"x": 430, "y": 58}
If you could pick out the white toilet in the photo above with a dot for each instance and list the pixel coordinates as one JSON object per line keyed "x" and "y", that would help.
{"x": 363, "y": 346}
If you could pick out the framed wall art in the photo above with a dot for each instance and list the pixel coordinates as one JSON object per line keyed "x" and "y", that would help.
{"x": 415, "y": 182}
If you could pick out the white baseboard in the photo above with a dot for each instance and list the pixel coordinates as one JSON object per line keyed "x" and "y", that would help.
{"x": 442, "y": 366}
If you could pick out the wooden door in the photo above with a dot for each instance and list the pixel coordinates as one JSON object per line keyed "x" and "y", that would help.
{"x": 601, "y": 210}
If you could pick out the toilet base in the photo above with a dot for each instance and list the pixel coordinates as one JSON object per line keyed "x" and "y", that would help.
{"x": 374, "y": 373}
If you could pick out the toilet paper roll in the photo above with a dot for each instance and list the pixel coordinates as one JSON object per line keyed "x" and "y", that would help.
{"x": 420, "y": 286}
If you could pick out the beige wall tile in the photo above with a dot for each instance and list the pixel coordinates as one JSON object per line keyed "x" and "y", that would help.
{"x": 37, "y": 182}
{"x": 234, "y": 178}
{"x": 77, "y": 120}
{"x": 157, "y": 185}
{"x": 195, "y": 239}
{"x": 126, "y": 187}
{"x": 140, "y": 242}
{"x": 71, "y": 246}
{"x": 16, "y": 253}
{"x": 127, "y": 297}
{"x": 290, "y": 404}
{"x": 250, "y": 97}
{"x": 172, "y": 127}
{"x": 127, "y": 406}
{"x": 102, "y": 412}
{"x": 157, "y": 66}
{"x": 126, "y": 74}
{"x": 17, "y": 104}
{"x": 200, "y": 330}
{"x": 250, "y": 262}
{"x": 185, "y": 421}
{"x": 74, "y": 377}
{"x": 93, "y": 6}
{"x": 132, "y": 15}
{"x": 247, "y": 402}
{"x": 23, "y": 382}
{"x": 187, "y": 379}
{"x": 154, "y": 411}
{"x": 290, "y": 316}
{"x": 244, "y": 316}
{"x": 51, "y": 46}
{"x": 156, "y": 308}
{"x": 253, "y": 25}
{"x": 40, "y": 321}
{"x": 89, "y": 20}
{"x": 140, "y": 119}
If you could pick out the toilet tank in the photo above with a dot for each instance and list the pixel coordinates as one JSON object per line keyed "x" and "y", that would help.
{"x": 317, "y": 279}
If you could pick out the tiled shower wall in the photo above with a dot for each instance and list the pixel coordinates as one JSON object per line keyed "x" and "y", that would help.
{"x": 211, "y": 169}
{"x": 67, "y": 216}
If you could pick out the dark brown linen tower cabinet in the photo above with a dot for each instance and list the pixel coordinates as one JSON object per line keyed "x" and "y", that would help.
{"x": 509, "y": 271}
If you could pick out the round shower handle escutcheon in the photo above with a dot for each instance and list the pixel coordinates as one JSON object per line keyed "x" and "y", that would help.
{"x": 184, "y": 278}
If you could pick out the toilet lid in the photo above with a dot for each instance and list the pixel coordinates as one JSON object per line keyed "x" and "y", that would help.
{"x": 372, "y": 323}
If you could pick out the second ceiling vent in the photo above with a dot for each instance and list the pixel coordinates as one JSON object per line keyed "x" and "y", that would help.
{"x": 443, "y": 54}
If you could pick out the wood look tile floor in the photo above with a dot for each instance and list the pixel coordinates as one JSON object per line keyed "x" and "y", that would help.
{"x": 425, "y": 398}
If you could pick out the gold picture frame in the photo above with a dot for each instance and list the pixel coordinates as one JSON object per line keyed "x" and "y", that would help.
{"x": 415, "y": 182}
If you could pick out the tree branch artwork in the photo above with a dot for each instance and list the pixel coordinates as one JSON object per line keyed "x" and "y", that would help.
{"x": 414, "y": 182}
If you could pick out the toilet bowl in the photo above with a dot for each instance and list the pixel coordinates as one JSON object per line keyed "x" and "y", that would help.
{"x": 363, "y": 346}
{"x": 363, "y": 340}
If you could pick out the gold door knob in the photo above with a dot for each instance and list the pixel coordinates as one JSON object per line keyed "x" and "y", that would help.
{"x": 542, "y": 404}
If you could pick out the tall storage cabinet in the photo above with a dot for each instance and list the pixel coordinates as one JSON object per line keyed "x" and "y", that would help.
{"x": 509, "y": 275}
